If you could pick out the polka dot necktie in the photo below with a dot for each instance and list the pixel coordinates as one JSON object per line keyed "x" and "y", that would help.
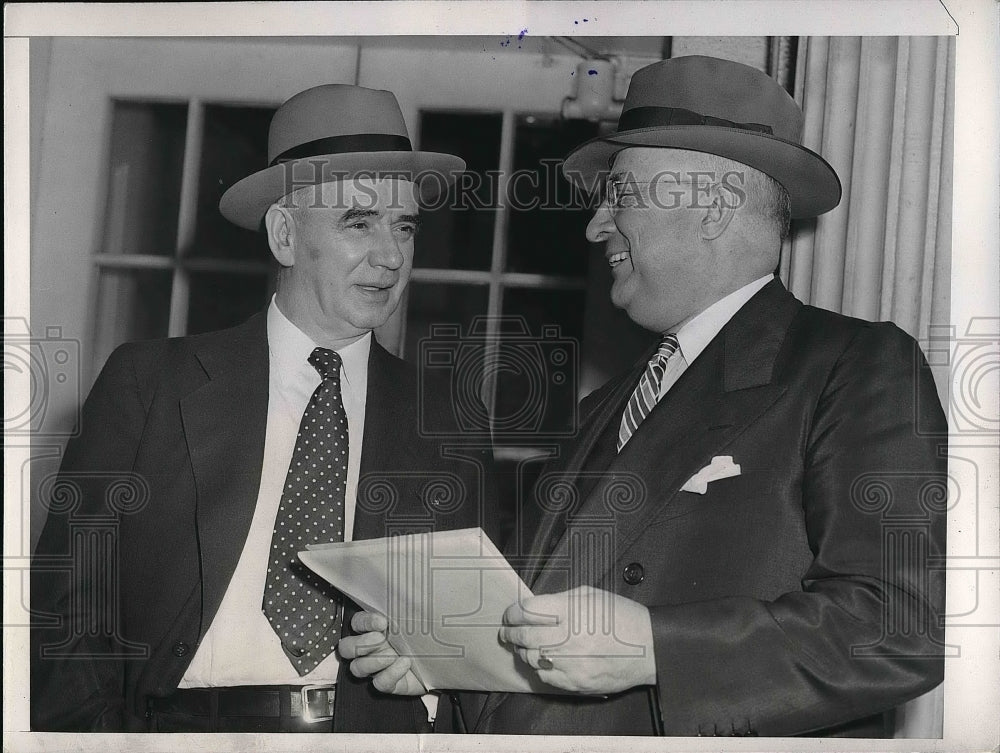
{"x": 647, "y": 392}
{"x": 304, "y": 609}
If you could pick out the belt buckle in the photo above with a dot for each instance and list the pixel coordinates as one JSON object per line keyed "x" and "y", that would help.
{"x": 307, "y": 714}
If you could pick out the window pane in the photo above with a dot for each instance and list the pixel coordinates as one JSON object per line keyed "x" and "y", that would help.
{"x": 147, "y": 158}
{"x": 219, "y": 300}
{"x": 537, "y": 392}
{"x": 235, "y": 145}
{"x": 457, "y": 233}
{"x": 440, "y": 342}
{"x": 548, "y": 216}
{"x": 132, "y": 304}
{"x": 436, "y": 304}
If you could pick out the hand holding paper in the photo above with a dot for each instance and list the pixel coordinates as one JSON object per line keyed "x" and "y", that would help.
{"x": 371, "y": 655}
{"x": 585, "y": 640}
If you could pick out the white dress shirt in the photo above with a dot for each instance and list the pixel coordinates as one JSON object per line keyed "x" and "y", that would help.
{"x": 695, "y": 335}
{"x": 240, "y": 647}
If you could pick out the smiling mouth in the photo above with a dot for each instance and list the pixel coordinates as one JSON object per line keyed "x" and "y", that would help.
{"x": 376, "y": 288}
{"x": 615, "y": 259}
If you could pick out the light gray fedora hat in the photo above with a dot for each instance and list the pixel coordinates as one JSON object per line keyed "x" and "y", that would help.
{"x": 721, "y": 107}
{"x": 336, "y": 132}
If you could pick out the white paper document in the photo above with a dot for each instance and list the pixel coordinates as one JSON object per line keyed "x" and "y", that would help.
{"x": 444, "y": 594}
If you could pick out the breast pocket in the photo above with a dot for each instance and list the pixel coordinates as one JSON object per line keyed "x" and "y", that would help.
{"x": 726, "y": 499}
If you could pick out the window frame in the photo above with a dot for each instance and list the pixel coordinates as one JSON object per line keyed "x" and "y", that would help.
{"x": 497, "y": 278}
{"x": 179, "y": 261}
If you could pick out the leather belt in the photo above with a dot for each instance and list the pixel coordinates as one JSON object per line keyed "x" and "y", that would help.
{"x": 309, "y": 703}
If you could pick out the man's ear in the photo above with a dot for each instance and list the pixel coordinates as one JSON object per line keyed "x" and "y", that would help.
{"x": 279, "y": 225}
{"x": 720, "y": 212}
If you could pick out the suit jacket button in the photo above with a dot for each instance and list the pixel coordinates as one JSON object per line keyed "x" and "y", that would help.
{"x": 633, "y": 573}
{"x": 181, "y": 648}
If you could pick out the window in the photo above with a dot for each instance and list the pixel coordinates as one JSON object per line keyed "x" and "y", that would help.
{"x": 169, "y": 264}
{"x": 508, "y": 242}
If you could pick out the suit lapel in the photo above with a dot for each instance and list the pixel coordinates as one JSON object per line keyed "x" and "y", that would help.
{"x": 682, "y": 438}
{"x": 552, "y": 524}
{"x": 389, "y": 443}
{"x": 225, "y": 421}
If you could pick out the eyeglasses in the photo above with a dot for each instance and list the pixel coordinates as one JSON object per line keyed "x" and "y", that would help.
{"x": 617, "y": 191}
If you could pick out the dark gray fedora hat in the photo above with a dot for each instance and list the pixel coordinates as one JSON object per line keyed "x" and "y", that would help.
{"x": 336, "y": 132}
{"x": 721, "y": 107}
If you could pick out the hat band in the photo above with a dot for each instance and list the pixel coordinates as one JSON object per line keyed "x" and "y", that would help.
{"x": 353, "y": 142}
{"x": 651, "y": 117}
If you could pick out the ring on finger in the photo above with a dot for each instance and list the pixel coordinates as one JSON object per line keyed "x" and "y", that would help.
{"x": 544, "y": 661}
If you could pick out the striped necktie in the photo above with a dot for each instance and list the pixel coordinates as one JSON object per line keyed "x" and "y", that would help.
{"x": 647, "y": 391}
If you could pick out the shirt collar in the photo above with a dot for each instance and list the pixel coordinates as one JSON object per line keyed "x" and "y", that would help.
{"x": 290, "y": 348}
{"x": 696, "y": 334}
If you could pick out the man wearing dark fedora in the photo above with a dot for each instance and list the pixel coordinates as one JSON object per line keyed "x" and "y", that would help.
{"x": 719, "y": 549}
{"x": 236, "y": 449}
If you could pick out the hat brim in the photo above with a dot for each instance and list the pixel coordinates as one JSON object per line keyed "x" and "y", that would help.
{"x": 812, "y": 184}
{"x": 246, "y": 202}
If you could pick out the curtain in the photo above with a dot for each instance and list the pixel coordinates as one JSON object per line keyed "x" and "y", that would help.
{"x": 880, "y": 110}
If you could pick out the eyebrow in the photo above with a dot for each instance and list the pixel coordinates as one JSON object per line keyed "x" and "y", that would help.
{"x": 357, "y": 214}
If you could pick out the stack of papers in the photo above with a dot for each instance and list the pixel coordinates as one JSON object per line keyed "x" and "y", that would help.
{"x": 444, "y": 594}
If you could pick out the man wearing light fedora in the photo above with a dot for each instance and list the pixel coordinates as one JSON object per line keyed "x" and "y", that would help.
{"x": 239, "y": 448}
{"x": 720, "y": 549}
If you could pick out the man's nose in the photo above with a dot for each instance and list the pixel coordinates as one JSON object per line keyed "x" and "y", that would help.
{"x": 385, "y": 251}
{"x": 601, "y": 225}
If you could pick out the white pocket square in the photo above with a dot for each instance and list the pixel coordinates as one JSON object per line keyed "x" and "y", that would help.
{"x": 722, "y": 466}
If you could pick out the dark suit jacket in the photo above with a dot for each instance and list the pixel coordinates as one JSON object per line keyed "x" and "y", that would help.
{"x": 152, "y": 508}
{"x": 795, "y": 598}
